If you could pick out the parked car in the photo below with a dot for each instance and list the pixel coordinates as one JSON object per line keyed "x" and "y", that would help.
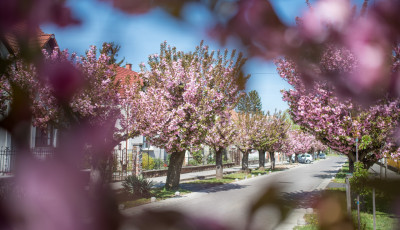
{"x": 322, "y": 156}
{"x": 293, "y": 156}
{"x": 300, "y": 158}
{"x": 305, "y": 158}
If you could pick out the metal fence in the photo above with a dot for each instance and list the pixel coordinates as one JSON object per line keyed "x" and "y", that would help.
{"x": 8, "y": 156}
{"x": 132, "y": 161}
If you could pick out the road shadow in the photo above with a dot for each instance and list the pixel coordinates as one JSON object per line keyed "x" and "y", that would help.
{"x": 301, "y": 199}
{"x": 327, "y": 174}
{"x": 210, "y": 188}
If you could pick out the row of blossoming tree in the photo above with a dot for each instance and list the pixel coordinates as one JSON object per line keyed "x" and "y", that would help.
{"x": 271, "y": 133}
{"x": 373, "y": 39}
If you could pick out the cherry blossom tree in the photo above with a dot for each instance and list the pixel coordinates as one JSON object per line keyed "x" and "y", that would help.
{"x": 219, "y": 137}
{"x": 271, "y": 132}
{"x": 338, "y": 122}
{"x": 245, "y": 131}
{"x": 297, "y": 142}
{"x": 67, "y": 88}
{"x": 185, "y": 93}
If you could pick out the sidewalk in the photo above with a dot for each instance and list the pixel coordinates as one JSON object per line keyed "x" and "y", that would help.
{"x": 375, "y": 170}
{"x": 160, "y": 181}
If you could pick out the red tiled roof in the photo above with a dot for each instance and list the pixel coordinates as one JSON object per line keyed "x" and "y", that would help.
{"x": 234, "y": 115}
{"x": 123, "y": 73}
{"x": 20, "y": 31}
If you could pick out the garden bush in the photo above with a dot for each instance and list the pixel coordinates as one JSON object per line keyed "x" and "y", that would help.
{"x": 159, "y": 163}
{"x": 137, "y": 186}
{"x": 198, "y": 157}
{"x": 147, "y": 162}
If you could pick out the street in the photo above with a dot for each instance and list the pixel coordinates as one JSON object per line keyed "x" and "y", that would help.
{"x": 229, "y": 204}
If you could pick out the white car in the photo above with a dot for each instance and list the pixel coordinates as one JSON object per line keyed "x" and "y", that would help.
{"x": 306, "y": 158}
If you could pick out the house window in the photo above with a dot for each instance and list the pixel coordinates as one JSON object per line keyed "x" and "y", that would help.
{"x": 44, "y": 138}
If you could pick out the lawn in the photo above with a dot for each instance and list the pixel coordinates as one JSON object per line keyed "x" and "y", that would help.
{"x": 229, "y": 178}
{"x": 311, "y": 223}
{"x": 159, "y": 193}
{"x": 384, "y": 212}
{"x": 384, "y": 221}
{"x": 341, "y": 175}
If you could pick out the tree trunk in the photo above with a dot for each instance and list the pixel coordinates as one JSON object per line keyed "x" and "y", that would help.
{"x": 174, "y": 170}
{"x": 245, "y": 161}
{"x": 290, "y": 159}
{"x": 261, "y": 159}
{"x": 351, "y": 165}
{"x": 218, "y": 164}
{"x": 272, "y": 155}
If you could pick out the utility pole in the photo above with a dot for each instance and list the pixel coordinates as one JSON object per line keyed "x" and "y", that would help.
{"x": 358, "y": 195}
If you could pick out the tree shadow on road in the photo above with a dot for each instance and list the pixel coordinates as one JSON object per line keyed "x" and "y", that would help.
{"x": 209, "y": 188}
{"x": 301, "y": 199}
{"x": 326, "y": 174}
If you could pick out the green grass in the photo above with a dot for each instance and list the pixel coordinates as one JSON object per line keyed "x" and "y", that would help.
{"x": 311, "y": 223}
{"x": 337, "y": 189}
{"x": 384, "y": 215}
{"x": 158, "y": 193}
{"x": 229, "y": 178}
{"x": 383, "y": 220}
{"x": 341, "y": 175}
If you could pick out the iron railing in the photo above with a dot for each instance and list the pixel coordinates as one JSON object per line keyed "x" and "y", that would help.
{"x": 8, "y": 156}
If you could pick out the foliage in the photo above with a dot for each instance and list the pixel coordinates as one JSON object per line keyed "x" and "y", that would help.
{"x": 340, "y": 177}
{"x": 197, "y": 157}
{"x": 72, "y": 89}
{"x": 298, "y": 142}
{"x": 311, "y": 222}
{"x": 359, "y": 179}
{"x": 338, "y": 122}
{"x": 181, "y": 104}
{"x": 271, "y": 133}
{"x": 111, "y": 50}
{"x": 372, "y": 38}
{"x": 185, "y": 92}
{"x": 159, "y": 163}
{"x": 148, "y": 162}
{"x": 137, "y": 186}
{"x": 222, "y": 133}
{"x": 211, "y": 158}
{"x": 250, "y": 103}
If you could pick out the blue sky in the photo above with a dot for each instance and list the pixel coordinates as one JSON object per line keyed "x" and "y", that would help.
{"x": 140, "y": 36}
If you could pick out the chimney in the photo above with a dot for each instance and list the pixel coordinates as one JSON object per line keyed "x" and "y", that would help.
{"x": 129, "y": 66}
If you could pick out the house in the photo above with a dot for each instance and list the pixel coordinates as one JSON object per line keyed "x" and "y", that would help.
{"x": 40, "y": 142}
{"x": 126, "y": 153}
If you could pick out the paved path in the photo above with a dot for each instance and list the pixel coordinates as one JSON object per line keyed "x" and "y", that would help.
{"x": 230, "y": 203}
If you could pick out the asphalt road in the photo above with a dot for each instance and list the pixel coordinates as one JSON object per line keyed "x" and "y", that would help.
{"x": 229, "y": 204}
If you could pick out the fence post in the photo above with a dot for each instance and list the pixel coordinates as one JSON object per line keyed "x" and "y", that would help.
{"x": 386, "y": 167}
{"x": 373, "y": 206}
{"x": 348, "y": 196}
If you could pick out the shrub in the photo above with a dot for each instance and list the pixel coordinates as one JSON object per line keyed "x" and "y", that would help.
{"x": 193, "y": 162}
{"x": 198, "y": 157}
{"x": 137, "y": 186}
{"x": 147, "y": 162}
{"x": 158, "y": 163}
{"x": 359, "y": 179}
